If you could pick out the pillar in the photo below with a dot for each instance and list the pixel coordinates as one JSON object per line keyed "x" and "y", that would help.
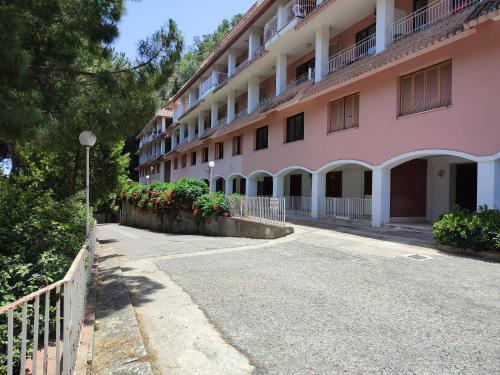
{"x": 201, "y": 123}
{"x": 181, "y": 133}
{"x": 251, "y": 187}
{"x": 174, "y": 139}
{"x": 281, "y": 67}
{"x": 162, "y": 146}
{"x": 381, "y": 197}
{"x": 231, "y": 62}
{"x": 253, "y": 93}
{"x": 321, "y": 51}
{"x": 278, "y": 186}
{"x": 162, "y": 171}
{"x": 214, "y": 114}
{"x": 191, "y": 129}
{"x": 488, "y": 184}
{"x": 254, "y": 42}
{"x": 231, "y": 102}
{"x": 281, "y": 15}
{"x": 228, "y": 189}
{"x": 385, "y": 18}
{"x": 163, "y": 124}
{"x": 318, "y": 192}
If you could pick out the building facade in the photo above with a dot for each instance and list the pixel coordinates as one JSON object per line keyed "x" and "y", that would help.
{"x": 381, "y": 110}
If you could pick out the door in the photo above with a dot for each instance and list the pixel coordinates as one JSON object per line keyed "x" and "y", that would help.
{"x": 421, "y": 18}
{"x": 466, "y": 186}
{"x": 296, "y": 185}
{"x": 334, "y": 184}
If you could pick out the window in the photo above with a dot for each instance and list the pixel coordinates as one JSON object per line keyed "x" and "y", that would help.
{"x": 365, "y": 33}
{"x": 193, "y": 158}
{"x": 261, "y": 135}
{"x": 183, "y": 161}
{"x": 344, "y": 113}
{"x": 426, "y": 89}
{"x": 295, "y": 128}
{"x": 219, "y": 151}
{"x": 176, "y": 163}
{"x": 237, "y": 145}
{"x": 204, "y": 153}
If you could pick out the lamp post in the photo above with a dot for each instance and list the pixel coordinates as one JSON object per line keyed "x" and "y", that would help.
{"x": 211, "y": 165}
{"x": 147, "y": 179}
{"x": 87, "y": 139}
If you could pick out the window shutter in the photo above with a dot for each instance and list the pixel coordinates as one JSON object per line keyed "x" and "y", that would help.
{"x": 349, "y": 112}
{"x": 419, "y": 92}
{"x": 406, "y": 95}
{"x": 355, "y": 118}
{"x": 431, "y": 95}
{"x": 445, "y": 84}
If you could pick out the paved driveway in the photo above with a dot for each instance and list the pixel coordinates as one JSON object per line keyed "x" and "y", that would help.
{"x": 322, "y": 302}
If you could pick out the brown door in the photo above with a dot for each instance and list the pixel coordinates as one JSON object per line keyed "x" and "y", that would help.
{"x": 466, "y": 186}
{"x": 296, "y": 185}
{"x": 409, "y": 189}
{"x": 268, "y": 186}
{"x": 334, "y": 184}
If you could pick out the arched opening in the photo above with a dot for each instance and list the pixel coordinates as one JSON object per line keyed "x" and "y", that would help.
{"x": 220, "y": 185}
{"x": 295, "y": 185}
{"x": 237, "y": 185}
{"x": 205, "y": 180}
{"x": 346, "y": 192}
{"x": 260, "y": 184}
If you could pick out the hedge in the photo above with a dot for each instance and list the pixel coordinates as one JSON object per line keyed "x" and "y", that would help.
{"x": 478, "y": 231}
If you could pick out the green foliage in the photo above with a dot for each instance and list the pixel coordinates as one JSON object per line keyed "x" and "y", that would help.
{"x": 479, "y": 230}
{"x": 187, "y": 194}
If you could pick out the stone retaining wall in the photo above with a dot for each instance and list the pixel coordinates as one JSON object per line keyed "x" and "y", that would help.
{"x": 186, "y": 223}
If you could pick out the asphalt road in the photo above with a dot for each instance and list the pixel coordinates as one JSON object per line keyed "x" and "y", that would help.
{"x": 322, "y": 302}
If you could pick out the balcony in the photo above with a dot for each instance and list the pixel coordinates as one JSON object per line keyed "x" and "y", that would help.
{"x": 353, "y": 53}
{"x": 294, "y": 10}
{"x": 208, "y": 85}
{"x": 427, "y": 16}
{"x": 179, "y": 112}
{"x": 148, "y": 138}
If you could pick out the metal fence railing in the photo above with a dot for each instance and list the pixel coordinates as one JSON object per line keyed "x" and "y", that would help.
{"x": 298, "y": 206}
{"x": 345, "y": 208}
{"x": 353, "y": 53}
{"x": 261, "y": 209}
{"x": 43, "y": 328}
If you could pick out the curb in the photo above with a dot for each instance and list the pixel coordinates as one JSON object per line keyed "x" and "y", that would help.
{"x": 483, "y": 255}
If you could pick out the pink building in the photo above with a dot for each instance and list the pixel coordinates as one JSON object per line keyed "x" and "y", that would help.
{"x": 380, "y": 110}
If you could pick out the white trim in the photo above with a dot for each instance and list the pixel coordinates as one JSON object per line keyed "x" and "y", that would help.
{"x": 231, "y": 176}
{"x": 340, "y": 163}
{"x": 283, "y": 172}
{"x": 259, "y": 171}
{"x": 216, "y": 177}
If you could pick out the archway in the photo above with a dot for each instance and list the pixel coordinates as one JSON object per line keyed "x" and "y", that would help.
{"x": 237, "y": 184}
{"x": 260, "y": 183}
{"x": 295, "y": 185}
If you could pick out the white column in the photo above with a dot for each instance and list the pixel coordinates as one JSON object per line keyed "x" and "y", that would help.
{"x": 253, "y": 93}
{"x": 381, "y": 197}
{"x": 231, "y": 62}
{"x": 201, "y": 123}
{"x": 254, "y": 42}
{"x": 488, "y": 184}
{"x": 191, "y": 129}
{"x": 281, "y": 14}
{"x": 281, "y": 67}
{"x": 318, "y": 191}
{"x": 321, "y": 52}
{"x": 385, "y": 18}
{"x": 229, "y": 187}
{"x": 214, "y": 114}
{"x": 231, "y": 100}
{"x": 163, "y": 124}
{"x": 192, "y": 97}
{"x": 251, "y": 187}
{"x": 278, "y": 186}
{"x": 162, "y": 171}
{"x": 162, "y": 146}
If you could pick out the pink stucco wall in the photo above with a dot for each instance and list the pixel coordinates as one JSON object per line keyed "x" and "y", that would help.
{"x": 470, "y": 125}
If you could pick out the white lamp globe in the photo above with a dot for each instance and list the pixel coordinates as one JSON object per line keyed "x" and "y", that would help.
{"x": 87, "y": 138}
{"x": 211, "y": 164}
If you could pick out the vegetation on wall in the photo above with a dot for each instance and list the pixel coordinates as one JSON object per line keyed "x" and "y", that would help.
{"x": 479, "y": 231}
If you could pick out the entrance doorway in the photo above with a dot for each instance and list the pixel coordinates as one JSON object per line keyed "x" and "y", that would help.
{"x": 466, "y": 186}
{"x": 295, "y": 185}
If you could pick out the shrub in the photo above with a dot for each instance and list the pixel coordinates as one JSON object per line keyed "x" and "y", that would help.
{"x": 213, "y": 204}
{"x": 479, "y": 231}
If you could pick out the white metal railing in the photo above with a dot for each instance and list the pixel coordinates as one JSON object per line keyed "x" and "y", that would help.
{"x": 49, "y": 321}
{"x": 291, "y": 11}
{"x": 432, "y": 13}
{"x": 265, "y": 210}
{"x": 298, "y": 206}
{"x": 353, "y": 53}
{"x": 240, "y": 114}
{"x": 222, "y": 121}
{"x": 216, "y": 79}
{"x": 345, "y": 208}
{"x": 300, "y": 80}
{"x": 179, "y": 112}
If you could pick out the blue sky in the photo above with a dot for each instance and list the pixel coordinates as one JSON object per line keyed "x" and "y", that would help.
{"x": 194, "y": 17}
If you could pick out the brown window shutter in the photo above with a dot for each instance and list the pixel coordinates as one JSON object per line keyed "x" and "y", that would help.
{"x": 445, "y": 84}
{"x": 349, "y": 112}
{"x": 419, "y": 92}
{"x": 406, "y": 95}
{"x": 355, "y": 118}
{"x": 432, "y": 84}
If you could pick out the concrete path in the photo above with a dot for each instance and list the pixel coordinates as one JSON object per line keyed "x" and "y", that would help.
{"x": 316, "y": 302}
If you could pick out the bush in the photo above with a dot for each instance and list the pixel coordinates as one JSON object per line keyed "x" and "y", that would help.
{"x": 479, "y": 231}
{"x": 187, "y": 194}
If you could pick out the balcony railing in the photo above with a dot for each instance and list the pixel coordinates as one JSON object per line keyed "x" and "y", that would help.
{"x": 148, "y": 138}
{"x": 222, "y": 121}
{"x": 240, "y": 114}
{"x": 345, "y": 208}
{"x": 295, "y": 9}
{"x": 300, "y": 80}
{"x": 353, "y": 53}
{"x": 298, "y": 206}
{"x": 427, "y": 16}
{"x": 179, "y": 112}
{"x": 211, "y": 82}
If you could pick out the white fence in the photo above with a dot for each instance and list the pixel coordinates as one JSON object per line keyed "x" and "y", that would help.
{"x": 298, "y": 206}
{"x": 432, "y": 13}
{"x": 261, "y": 209}
{"x": 353, "y": 53}
{"x": 63, "y": 307}
{"x": 216, "y": 79}
{"x": 345, "y": 208}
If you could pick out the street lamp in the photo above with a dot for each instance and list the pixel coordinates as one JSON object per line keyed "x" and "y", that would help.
{"x": 87, "y": 139}
{"x": 211, "y": 165}
{"x": 147, "y": 179}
